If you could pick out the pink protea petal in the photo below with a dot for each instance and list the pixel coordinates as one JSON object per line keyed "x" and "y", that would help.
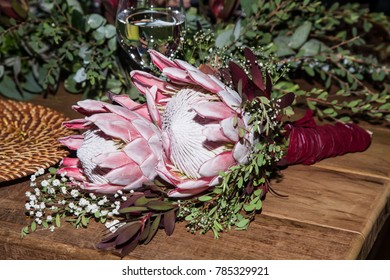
{"x": 128, "y": 103}
{"x": 73, "y": 142}
{"x": 138, "y": 150}
{"x": 219, "y": 163}
{"x": 160, "y": 60}
{"x": 115, "y": 126}
{"x": 213, "y": 132}
{"x": 182, "y": 193}
{"x": 146, "y": 129}
{"x": 73, "y": 172}
{"x": 165, "y": 174}
{"x": 215, "y": 181}
{"x": 204, "y": 81}
{"x": 230, "y": 98}
{"x": 155, "y": 145}
{"x": 77, "y": 124}
{"x": 166, "y": 141}
{"x": 229, "y": 130}
{"x": 193, "y": 184}
{"x": 213, "y": 110}
{"x": 112, "y": 160}
{"x": 178, "y": 76}
{"x": 124, "y": 175}
{"x": 241, "y": 152}
{"x": 69, "y": 162}
{"x": 136, "y": 184}
{"x": 121, "y": 111}
{"x": 89, "y": 107}
{"x": 185, "y": 65}
{"x": 148, "y": 167}
{"x": 143, "y": 81}
{"x": 150, "y": 100}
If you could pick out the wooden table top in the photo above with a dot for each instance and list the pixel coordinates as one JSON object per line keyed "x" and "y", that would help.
{"x": 334, "y": 210}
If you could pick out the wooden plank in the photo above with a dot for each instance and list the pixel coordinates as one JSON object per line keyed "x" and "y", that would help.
{"x": 332, "y": 199}
{"x": 268, "y": 238}
{"x": 272, "y": 236}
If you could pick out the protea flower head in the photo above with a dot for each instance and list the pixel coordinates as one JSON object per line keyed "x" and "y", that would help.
{"x": 203, "y": 128}
{"x": 119, "y": 149}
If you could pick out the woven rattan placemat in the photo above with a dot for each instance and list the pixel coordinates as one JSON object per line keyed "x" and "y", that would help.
{"x": 28, "y": 138}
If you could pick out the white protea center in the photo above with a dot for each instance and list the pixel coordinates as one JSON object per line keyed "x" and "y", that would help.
{"x": 95, "y": 143}
{"x": 184, "y": 127}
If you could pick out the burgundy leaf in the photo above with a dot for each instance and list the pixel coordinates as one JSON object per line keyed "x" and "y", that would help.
{"x": 131, "y": 199}
{"x": 130, "y": 246}
{"x": 153, "y": 229}
{"x": 238, "y": 74}
{"x": 169, "y": 222}
{"x": 128, "y": 231}
{"x": 286, "y": 100}
{"x": 257, "y": 75}
{"x": 225, "y": 74}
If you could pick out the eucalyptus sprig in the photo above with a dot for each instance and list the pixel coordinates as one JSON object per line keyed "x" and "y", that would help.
{"x": 334, "y": 46}
{"x": 59, "y": 42}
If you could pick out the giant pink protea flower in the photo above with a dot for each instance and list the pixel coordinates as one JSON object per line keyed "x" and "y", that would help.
{"x": 120, "y": 148}
{"x": 200, "y": 120}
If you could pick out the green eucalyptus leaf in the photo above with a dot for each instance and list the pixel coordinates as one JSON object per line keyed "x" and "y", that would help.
{"x": 247, "y": 6}
{"x": 310, "y": 48}
{"x": 75, "y": 4}
{"x": 71, "y": 85}
{"x": 300, "y": 35}
{"x": 224, "y": 38}
{"x": 281, "y": 43}
{"x": 8, "y": 88}
{"x": 100, "y": 33}
{"x": 94, "y": 21}
{"x": 109, "y": 31}
{"x": 31, "y": 84}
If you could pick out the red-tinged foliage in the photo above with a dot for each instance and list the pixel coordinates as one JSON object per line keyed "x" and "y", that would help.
{"x": 311, "y": 143}
{"x": 223, "y": 9}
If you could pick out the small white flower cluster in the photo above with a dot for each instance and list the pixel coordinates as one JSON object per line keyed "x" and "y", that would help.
{"x": 113, "y": 225}
{"x": 64, "y": 198}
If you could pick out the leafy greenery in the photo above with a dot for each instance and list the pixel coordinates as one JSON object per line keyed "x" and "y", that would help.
{"x": 344, "y": 49}
{"x": 59, "y": 42}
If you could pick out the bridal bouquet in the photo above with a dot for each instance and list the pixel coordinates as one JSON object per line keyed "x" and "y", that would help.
{"x": 202, "y": 149}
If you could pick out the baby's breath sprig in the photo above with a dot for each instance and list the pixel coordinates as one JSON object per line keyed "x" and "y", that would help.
{"x": 57, "y": 197}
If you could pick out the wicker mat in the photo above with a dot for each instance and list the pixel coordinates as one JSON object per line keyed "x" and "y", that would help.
{"x": 28, "y": 138}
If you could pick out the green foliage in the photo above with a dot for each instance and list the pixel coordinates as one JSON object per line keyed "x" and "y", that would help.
{"x": 344, "y": 49}
{"x": 58, "y": 42}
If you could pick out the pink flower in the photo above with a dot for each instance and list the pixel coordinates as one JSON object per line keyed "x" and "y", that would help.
{"x": 119, "y": 149}
{"x": 203, "y": 129}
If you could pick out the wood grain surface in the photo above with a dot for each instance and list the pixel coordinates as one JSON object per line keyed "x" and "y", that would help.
{"x": 333, "y": 210}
